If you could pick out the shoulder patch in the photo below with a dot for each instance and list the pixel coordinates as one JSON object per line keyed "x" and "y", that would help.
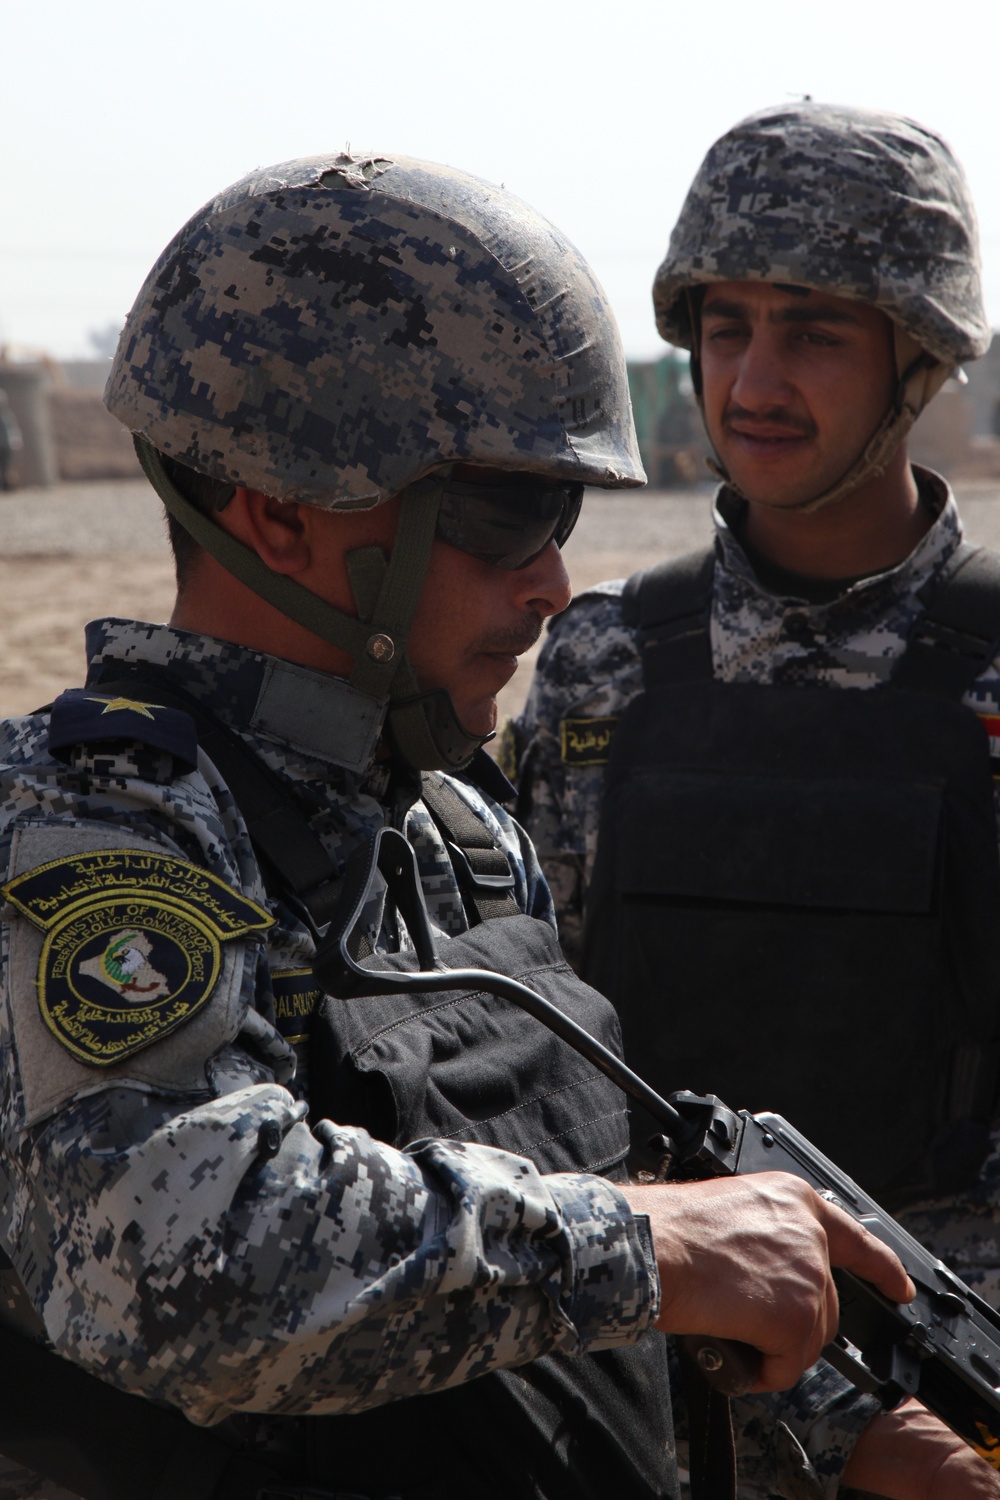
{"x": 132, "y": 947}
{"x": 587, "y": 742}
{"x": 83, "y": 716}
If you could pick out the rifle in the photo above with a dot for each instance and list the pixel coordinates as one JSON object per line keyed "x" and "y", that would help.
{"x": 943, "y": 1348}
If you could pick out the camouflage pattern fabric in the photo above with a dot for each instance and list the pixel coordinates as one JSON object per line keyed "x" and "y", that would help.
{"x": 331, "y": 329}
{"x": 167, "y": 1252}
{"x": 789, "y": 1444}
{"x": 852, "y": 202}
{"x": 589, "y": 669}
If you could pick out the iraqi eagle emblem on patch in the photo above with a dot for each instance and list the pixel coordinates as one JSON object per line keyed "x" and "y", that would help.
{"x": 133, "y": 945}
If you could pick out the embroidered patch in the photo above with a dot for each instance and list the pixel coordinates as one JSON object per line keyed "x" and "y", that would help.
{"x": 133, "y": 945}
{"x": 587, "y": 742}
{"x": 296, "y": 996}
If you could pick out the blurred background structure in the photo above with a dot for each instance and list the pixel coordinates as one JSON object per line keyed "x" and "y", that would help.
{"x": 65, "y": 431}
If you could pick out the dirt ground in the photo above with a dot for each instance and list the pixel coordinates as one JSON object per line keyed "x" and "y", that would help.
{"x": 78, "y": 551}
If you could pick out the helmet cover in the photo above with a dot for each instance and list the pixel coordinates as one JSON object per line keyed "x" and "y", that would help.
{"x": 331, "y": 329}
{"x": 851, "y": 202}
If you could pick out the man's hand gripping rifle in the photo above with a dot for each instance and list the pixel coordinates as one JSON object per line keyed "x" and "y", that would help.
{"x": 943, "y": 1347}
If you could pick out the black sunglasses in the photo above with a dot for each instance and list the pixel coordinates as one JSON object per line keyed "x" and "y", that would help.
{"x": 507, "y": 524}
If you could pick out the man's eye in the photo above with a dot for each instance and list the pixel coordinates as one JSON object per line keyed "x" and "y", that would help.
{"x": 725, "y": 331}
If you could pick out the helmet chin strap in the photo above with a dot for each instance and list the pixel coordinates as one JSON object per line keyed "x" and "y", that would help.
{"x": 424, "y": 727}
{"x": 919, "y": 378}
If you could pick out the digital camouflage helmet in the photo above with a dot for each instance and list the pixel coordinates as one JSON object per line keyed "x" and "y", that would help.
{"x": 335, "y": 329}
{"x": 851, "y": 202}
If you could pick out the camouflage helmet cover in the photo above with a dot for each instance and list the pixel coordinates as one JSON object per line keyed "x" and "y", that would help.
{"x": 331, "y": 329}
{"x": 852, "y": 202}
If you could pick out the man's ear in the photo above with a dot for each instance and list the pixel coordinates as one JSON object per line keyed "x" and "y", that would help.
{"x": 275, "y": 529}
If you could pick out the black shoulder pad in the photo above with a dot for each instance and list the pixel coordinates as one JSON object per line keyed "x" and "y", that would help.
{"x": 83, "y": 717}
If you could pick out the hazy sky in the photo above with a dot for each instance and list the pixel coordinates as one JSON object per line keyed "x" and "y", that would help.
{"x": 119, "y": 117}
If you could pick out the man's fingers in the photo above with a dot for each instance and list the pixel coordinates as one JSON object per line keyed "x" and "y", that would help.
{"x": 854, "y": 1249}
{"x": 780, "y": 1370}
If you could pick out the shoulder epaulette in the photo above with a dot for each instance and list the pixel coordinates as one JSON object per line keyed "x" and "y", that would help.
{"x": 611, "y": 588}
{"x": 82, "y": 716}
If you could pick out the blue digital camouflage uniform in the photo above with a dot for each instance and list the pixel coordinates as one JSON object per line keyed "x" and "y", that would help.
{"x": 160, "y": 1250}
{"x": 589, "y": 670}
{"x": 155, "y": 1121}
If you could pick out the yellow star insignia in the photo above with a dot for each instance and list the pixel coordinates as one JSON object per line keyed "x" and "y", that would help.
{"x": 112, "y": 705}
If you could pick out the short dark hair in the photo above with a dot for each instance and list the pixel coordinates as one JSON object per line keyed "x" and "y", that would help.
{"x": 204, "y": 492}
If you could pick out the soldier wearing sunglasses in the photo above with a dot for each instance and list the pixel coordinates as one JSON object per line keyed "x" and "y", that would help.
{"x": 369, "y": 392}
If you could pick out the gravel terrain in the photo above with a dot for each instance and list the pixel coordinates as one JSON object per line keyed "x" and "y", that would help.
{"x": 77, "y": 551}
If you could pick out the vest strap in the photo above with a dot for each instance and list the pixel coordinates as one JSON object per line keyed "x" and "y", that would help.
{"x": 483, "y": 871}
{"x": 958, "y": 635}
{"x": 670, "y": 606}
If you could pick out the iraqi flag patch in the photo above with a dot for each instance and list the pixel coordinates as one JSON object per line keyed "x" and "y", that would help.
{"x": 991, "y": 723}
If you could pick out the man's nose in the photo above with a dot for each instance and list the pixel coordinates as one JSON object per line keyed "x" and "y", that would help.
{"x": 761, "y": 377}
{"x": 543, "y": 584}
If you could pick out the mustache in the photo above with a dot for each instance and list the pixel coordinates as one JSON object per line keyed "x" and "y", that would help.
{"x": 514, "y": 639}
{"x": 771, "y": 416}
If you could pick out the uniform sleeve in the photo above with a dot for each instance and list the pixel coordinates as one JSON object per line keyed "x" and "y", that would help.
{"x": 793, "y": 1443}
{"x": 169, "y": 1251}
{"x": 798, "y": 1442}
{"x": 587, "y": 673}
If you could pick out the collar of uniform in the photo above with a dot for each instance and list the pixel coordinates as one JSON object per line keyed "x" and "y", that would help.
{"x": 311, "y": 712}
{"x": 927, "y": 558}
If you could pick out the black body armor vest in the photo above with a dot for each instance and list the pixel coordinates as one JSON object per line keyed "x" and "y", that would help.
{"x": 796, "y": 897}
